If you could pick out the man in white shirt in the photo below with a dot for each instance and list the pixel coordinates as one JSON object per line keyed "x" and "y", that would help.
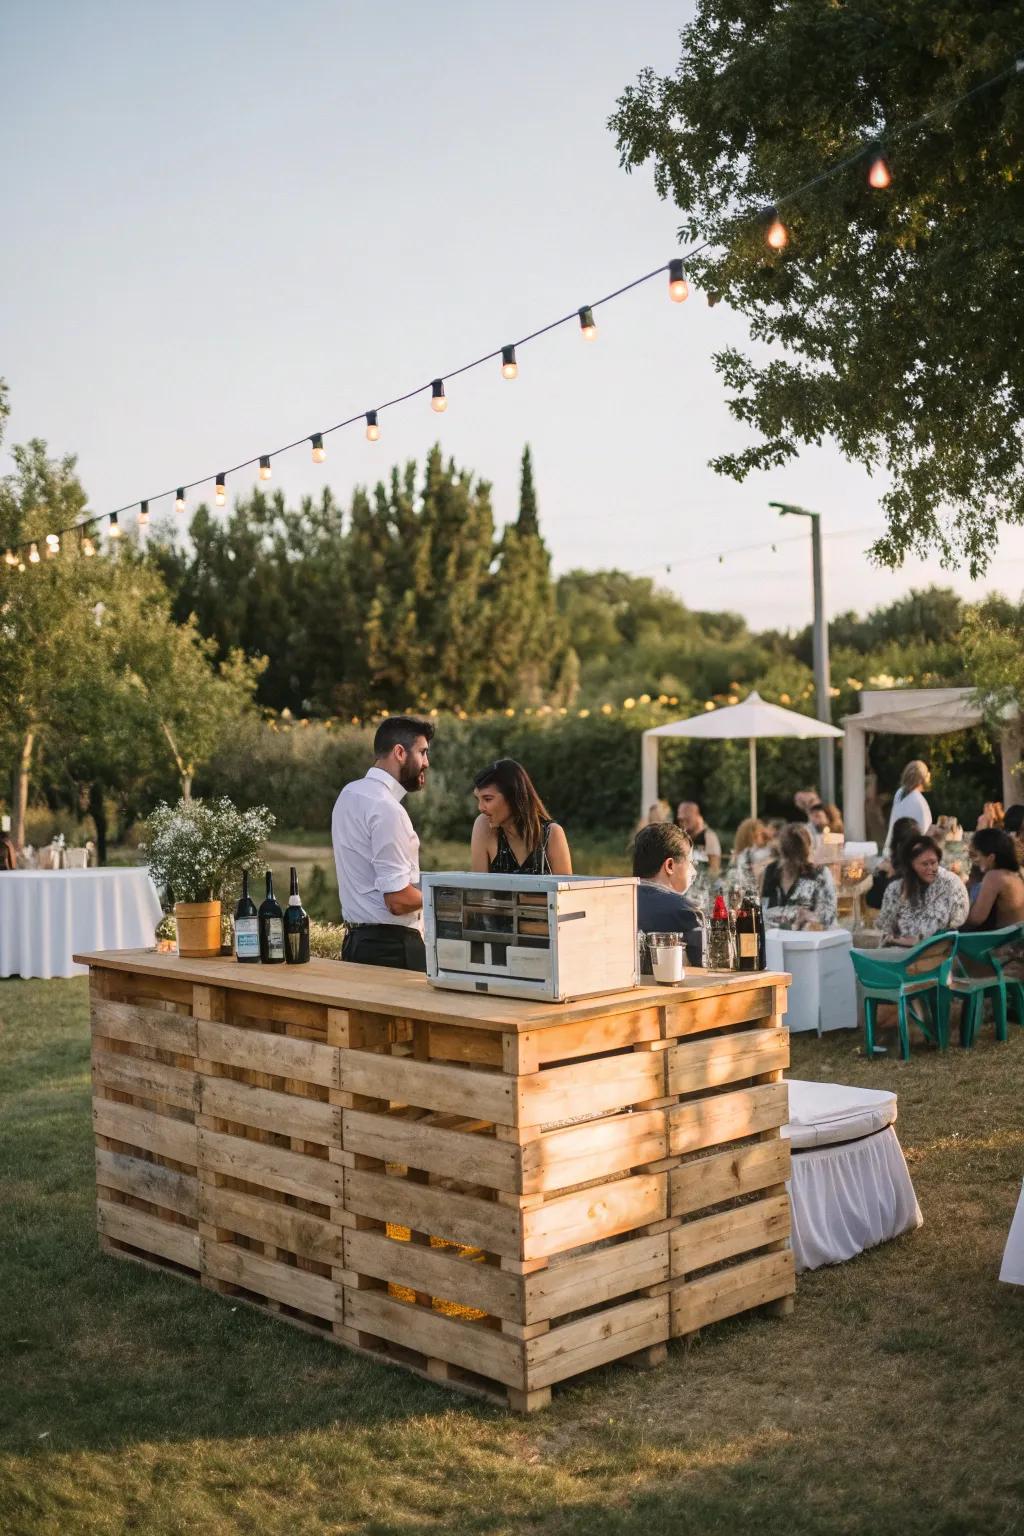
{"x": 376, "y": 851}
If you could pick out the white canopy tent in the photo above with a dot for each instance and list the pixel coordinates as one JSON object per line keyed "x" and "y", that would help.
{"x": 915, "y": 712}
{"x": 751, "y": 718}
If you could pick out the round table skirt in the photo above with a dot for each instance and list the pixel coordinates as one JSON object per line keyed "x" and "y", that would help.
{"x": 1012, "y": 1272}
{"x": 46, "y": 916}
{"x": 849, "y": 1197}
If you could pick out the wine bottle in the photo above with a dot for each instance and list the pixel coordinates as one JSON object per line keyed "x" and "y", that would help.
{"x": 296, "y": 927}
{"x": 271, "y": 927}
{"x": 247, "y": 927}
{"x": 750, "y": 946}
{"x": 719, "y": 938}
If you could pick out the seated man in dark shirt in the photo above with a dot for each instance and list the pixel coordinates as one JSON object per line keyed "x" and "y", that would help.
{"x": 661, "y": 864}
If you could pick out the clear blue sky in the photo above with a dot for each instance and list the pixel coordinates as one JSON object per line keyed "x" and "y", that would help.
{"x": 228, "y": 224}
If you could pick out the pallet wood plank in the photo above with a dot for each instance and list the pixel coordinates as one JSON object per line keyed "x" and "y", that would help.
{"x": 593, "y": 1037}
{"x": 315, "y": 1294}
{"x": 604, "y": 1210}
{"x": 721, "y": 1059}
{"x": 727, "y": 1117}
{"x": 736, "y": 1006}
{"x": 257, "y": 1050}
{"x": 475, "y": 1158}
{"x": 590, "y": 1087}
{"x": 595, "y": 1278}
{"x": 713, "y": 1239}
{"x": 737, "y": 1171}
{"x": 471, "y": 1345}
{"x": 165, "y": 1135}
{"x": 725, "y": 1292}
{"x": 167, "y": 1187}
{"x": 593, "y": 1150}
{"x": 145, "y": 1079}
{"x": 436, "y": 1272}
{"x": 287, "y": 1114}
{"x": 596, "y": 1340}
{"x": 273, "y": 1222}
{"x": 144, "y": 1026}
{"x": 310, "y": 1178}
{"x": 170, "y": 1239}
{"x": 456, "y": 1090}
{"x": 439, "y": 1212}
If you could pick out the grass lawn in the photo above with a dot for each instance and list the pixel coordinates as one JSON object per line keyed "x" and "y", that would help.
{"x": 892, "y": 1401}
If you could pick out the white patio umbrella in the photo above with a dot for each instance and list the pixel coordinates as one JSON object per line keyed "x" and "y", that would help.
{"x": 751, "y": 718}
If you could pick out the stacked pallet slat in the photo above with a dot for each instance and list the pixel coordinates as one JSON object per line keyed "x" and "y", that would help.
{"x": 501, "y": 1196}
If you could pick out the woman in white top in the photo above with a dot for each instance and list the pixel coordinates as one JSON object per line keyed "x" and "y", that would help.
{"x": 909, "y": 799}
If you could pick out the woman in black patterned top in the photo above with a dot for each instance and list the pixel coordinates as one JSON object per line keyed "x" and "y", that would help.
{"x": 513, "y": 834}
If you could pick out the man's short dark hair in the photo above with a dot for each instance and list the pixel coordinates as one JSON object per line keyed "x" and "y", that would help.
{"x": 656, "y": 843}
{"x": 400, "y": 731}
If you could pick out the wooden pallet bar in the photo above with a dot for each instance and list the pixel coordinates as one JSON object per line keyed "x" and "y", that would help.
{"x": 499, "y": 1194}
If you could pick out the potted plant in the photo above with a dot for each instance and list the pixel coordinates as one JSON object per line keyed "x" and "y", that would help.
{"x": 195, "y": 850}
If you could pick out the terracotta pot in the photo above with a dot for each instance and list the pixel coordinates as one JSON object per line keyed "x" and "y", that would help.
{"x": 198, "y": 924}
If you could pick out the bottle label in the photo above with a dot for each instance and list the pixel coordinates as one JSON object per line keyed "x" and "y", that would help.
{"x": 748, "y": 946}
{"x": 275, "y": 938}
{"x": 247, "y": 938}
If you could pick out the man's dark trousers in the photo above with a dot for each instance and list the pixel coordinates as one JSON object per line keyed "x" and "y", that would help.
{"x": 385, "y": 944}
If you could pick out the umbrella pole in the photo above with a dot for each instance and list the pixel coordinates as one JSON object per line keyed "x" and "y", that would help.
{"x": 753, "y": 776}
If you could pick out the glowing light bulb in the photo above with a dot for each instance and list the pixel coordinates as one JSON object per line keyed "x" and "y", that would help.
{"x": 438, "y": 399}
{"x": 879, "y": 176}
{"x": 372, "y": 429}
{"x": 53, "y": 540}
{"x": 265, "y": 466}
{"x": 143, "y": 513}
{"x": 88, "y": 547}
{"x": 179, "y": 499}
{"x": 509, "y": 366}
{"x": 10, "y": 558}
{"x": 587, "y": 326}
{"x": 33, "y": 554}
{"x": 114, "y": 531}
{"x": 319, "y": 451}
{"x": 776, "y": 234}
{"x": 220, "y": 495}
{"x": 678, "y": 287}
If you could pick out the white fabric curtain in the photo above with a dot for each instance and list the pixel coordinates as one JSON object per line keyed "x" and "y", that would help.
{"x": 850, "y": 1197}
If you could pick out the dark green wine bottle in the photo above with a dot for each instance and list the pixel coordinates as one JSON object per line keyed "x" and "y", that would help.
{"x": 271, "y": 921}
{"x": 296, "y": 927}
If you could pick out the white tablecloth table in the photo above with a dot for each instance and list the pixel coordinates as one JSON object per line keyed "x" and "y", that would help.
{"x": 1012, "y": 1271}
{"x": 850, "y": 1187}
{"x": 48, "y": 915}
{"x": 823, "y": 994}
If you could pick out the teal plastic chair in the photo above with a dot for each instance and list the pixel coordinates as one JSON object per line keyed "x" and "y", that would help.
{"x": 915, "y": 984}
{"x": 977, "y": 973}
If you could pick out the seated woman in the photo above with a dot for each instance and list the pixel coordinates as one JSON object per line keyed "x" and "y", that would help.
{"x": 513, "y": 834}
{"x": 926, "y": 900}
{"x": 662, "y": 865}
{"x": 1000, "y": 898}
{"x": 797, "y": 893}
{"x": 751, "y": 854}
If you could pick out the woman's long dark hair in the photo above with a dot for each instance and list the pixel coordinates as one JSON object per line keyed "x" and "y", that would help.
{"x": 528, "y": 810}
{"x": 795, "y": 849}
{"x": 990, "y": 840}
{"x": 913, "y": 886}
{"x": 905, "y": 831}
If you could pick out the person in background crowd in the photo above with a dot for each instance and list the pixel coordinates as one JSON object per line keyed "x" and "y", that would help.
{"x": 659, "y": 811}
{"x": 513, "y": 834}
{"x": 909, "y": 799}
{"x": 804, "y": 799}
{"x": 889, "y": 869}
{"x": 925, "y": 900}
{"x": 1000, "y": 896}
{"x": 992, "y": 815}
{"x": 797, "y": 893}
{"x": 705, "y": 843}
{"x": 822, "y": 818}
{"x": 1013, "y": 825}
{"x": 8, "y": 855}
{"x": 751, "y": 854}
{"x": 377, "y": 853}
{"x": 661, "y": 864}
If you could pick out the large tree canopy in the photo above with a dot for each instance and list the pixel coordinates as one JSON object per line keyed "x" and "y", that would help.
{"x": 901, "y": 310}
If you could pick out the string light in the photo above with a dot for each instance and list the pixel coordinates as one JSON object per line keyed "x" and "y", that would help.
{"x": 509, "y": 366}
{"x": 319, "y": 451}
{"x": 33, "y": 554}
{"x": 10, "y": 558}
{"x": 776, "y": 233}
{"x": 52, "y": 545}
{"x": 179, "y": 499}
{"x": 88, "y": 547}
{"x": 678, "y": 287}
{"x": 143, "y": 514}
{"x": 879, "y": 175}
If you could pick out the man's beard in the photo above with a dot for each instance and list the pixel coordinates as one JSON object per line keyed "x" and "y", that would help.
{"x": 409, "y": 778}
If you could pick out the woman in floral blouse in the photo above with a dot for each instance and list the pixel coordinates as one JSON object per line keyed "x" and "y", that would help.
{"x": 797, "y": 893}
{"x": 929, "y": 899}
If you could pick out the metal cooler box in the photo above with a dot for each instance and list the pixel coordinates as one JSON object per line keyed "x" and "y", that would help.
{"x": 552, "y": 937}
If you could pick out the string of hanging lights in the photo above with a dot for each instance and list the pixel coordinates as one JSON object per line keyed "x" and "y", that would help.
{"x": 878, "y": 177}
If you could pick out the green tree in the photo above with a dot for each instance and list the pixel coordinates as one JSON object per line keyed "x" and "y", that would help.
{"x": 900, "y": 310}
{"x": 528, "y": 637}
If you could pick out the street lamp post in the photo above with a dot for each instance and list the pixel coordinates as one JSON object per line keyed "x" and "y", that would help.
{"x": 822, "y": 674}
